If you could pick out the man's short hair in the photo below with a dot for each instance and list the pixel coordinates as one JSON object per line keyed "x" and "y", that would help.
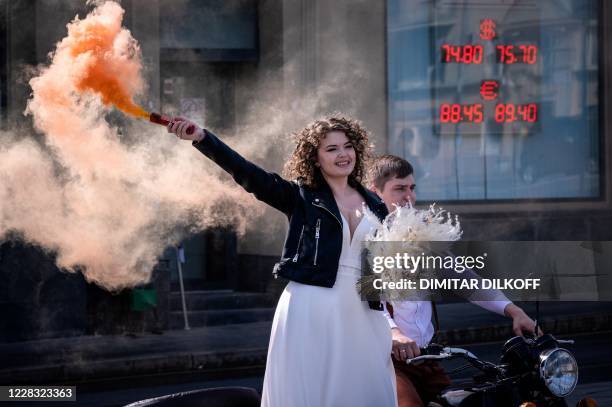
{"x": 386, "y": 167}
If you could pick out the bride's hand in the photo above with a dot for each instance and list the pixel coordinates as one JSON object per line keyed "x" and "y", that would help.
{"x": 186, "y": 129}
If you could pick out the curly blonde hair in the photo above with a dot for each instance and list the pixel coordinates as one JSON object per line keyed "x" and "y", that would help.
{"x": 301, "y": 165}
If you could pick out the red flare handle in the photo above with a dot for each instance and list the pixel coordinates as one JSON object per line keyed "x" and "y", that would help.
{"x": 164, "y": 120}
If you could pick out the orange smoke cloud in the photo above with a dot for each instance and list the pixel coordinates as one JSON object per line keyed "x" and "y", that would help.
{"x": 115, "y": 207}
{"x": 108, "y": 56}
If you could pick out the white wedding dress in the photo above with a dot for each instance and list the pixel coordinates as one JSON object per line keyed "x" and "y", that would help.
{"x": 327, "y": 347}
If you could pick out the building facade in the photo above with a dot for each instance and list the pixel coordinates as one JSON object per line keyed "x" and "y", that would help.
{"x": 413, "y": 71}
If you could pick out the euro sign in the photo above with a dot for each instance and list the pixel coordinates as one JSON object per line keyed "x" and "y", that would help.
{"x": 487, "y": 29}
{"x": 488, "y": 90}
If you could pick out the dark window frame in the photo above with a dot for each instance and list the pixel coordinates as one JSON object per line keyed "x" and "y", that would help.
{"x": 604, "y": 200}
{"x": 170, "y": 54}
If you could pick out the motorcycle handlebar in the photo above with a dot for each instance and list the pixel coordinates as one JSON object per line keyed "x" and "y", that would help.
{"x": 426, "y": 357}
{"x": 438, "y": 352}
{"x": 449, "y": 353}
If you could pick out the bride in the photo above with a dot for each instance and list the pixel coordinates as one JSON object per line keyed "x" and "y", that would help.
{"x": 327, "y": 347}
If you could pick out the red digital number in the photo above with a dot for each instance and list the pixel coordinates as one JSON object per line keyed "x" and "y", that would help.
{"x": 530, "y": 53}
{"x": 522, "y": 111}
{"x": 444, "y": 113}
{"x": 446, "y": 53}
{"x": 510, "y": 110}
{"x": 472, "y": 54}
{"x": 473, "y": 113}
{"x": 468, "y": 111}
{"x": 508, "y": 113}
{"x": 456, "y": 113}
{"x": 478, "y": 114}
{"x": 451, "y": 53}
{"x": 466, "y": 54}
{"x": 455, "y": 53}
{"x": 506, "y": 54}
{"x": 500, "y": 113}
{"x": 450, "y": 112}
{"x": 504, "y": 113}
{"x": 532, "y": 112}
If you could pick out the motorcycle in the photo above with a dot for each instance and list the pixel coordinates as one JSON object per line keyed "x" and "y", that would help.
{"x": 532, "y": 372}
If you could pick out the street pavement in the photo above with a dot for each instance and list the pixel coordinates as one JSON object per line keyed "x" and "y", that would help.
{"x": 590, "y": 350}
{"x": 114, "y": 370}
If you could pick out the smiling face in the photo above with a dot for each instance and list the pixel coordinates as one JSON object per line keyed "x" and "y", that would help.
{"x": 336, "y": 155}
{"x": 321, "y": 143}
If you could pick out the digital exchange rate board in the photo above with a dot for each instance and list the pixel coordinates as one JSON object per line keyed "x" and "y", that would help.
{"x": 487, "y": 66}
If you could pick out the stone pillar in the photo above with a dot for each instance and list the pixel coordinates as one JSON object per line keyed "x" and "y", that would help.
{"x": 144, "y": 20}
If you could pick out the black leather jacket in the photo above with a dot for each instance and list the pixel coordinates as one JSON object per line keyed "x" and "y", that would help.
{"x": 314, "y": 240}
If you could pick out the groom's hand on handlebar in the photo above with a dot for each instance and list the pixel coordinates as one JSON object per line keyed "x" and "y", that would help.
{"x": 186, "y": 129}
{"x": 403, "y": 347}
{"x": 520, "y": 321}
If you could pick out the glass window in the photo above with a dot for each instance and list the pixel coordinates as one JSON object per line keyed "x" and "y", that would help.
{"x": 209, "y": 30}
{"x": 491, "y": 99}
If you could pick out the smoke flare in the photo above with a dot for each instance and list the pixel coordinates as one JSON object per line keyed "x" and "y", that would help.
{"x": 103, "y": 206}
{"x": 112, "y": 206}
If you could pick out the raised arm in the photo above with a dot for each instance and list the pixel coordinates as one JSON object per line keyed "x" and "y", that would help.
{"x": 268, "y": 187}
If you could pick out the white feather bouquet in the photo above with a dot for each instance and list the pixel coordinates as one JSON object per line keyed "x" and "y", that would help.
{"x": 405, "y": 230}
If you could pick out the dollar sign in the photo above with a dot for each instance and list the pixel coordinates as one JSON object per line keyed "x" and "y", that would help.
{"x": 487, "y": 29}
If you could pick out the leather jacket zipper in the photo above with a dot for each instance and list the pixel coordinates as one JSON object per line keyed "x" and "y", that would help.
{"x": 297, "y": 252}
{"x": 317, "y": 234}
{"x": 330, "y": 212}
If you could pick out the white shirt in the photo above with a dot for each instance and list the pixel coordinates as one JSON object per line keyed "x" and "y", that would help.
{"x": 413, "y": 318}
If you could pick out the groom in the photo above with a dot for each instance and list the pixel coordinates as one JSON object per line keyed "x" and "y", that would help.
{"x": 392, "y": 178}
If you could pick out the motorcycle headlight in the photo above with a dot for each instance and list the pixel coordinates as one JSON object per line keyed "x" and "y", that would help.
{"x": 559, "y": 370}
